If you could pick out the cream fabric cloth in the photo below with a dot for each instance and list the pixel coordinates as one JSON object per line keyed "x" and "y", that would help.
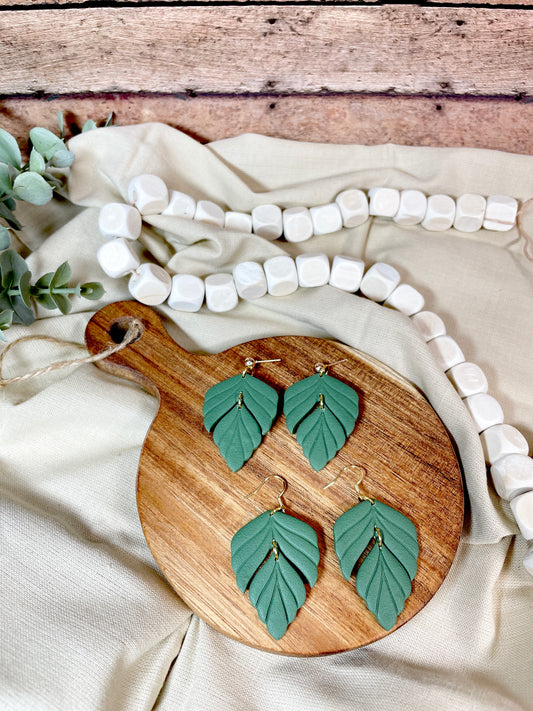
{"x": 88, "y": 622}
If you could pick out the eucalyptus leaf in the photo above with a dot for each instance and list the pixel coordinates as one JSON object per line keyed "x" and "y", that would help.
{"x": 5, "y": 238}
{"x": 45, "y": 281}
{"x": 62, "y": 302}
{"x": 109, "y": 120}
{"x": 61, "y": 123}
{"x": 6, "y": 183}
{"x": 37, "y": 162}
{"x": 25, "y": 288}
{"x": 46, "y": 142}
{"x": 92, "y": 290}
{"x": 45, "y": 300}
{"x": 12, "y": 267}
{"x": 21, "y": 313}
{"x": 6, "y": 319}
{"x": 7, "y": 213}
{"x": 61, "y": 276}
{"x": 52, "y": 180}
{"x": 89, "y": 125}
{"x": 32, "y": 188}
{"x": 9, "y": 150}
{"x": 62, "y": 158}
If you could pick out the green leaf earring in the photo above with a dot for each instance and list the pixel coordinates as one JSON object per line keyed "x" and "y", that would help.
{"x": 239, "y": 411}
{"x": 384, "y": 577}
{"x": 322, "y": 411}
{"x": 270, "y": 555}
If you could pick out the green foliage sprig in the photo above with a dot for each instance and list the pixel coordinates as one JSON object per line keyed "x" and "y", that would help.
{"x": 35, "y": 183}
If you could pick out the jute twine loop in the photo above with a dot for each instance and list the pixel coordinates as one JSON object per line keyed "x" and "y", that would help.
{"x": 135, "y": 330}
{"x": 524, "y": 207}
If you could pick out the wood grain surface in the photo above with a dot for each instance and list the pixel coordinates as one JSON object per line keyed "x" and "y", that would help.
{"x": 500, "y": 124}
{"x": 191, "y": 504}
{"x": 394, "y": 49}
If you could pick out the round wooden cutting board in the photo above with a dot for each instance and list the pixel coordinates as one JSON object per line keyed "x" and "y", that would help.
{"x": 191, "y": 504}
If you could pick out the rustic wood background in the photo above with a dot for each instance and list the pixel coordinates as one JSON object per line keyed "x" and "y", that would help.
{"x": 435, "y": 73}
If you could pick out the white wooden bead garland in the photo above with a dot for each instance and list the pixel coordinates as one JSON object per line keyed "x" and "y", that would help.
{"x": 506, "y": 449}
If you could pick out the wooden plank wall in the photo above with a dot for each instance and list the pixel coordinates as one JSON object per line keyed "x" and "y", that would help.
{"x": 438, "y": 73}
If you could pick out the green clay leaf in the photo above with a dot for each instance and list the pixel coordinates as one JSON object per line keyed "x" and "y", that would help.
{"x": 37, "y": 162}
{"x": 9, "y": 150}
{"x": 239, "y": 411}
{"x": 384, "y": 577}
{"x": 270, "y": 555}
{"x": 5, "y": 237}
{"x": 46, "y": 142}
{"x": 322, "y": 411}
{"x": 32, "y": 188}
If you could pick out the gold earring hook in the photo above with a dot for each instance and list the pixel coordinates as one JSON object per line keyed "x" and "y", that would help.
{"x": 351, "y": 467}
{"x": 250, "y": 364}
{"x": 281, "y": 507}
{"x": 322, "y": 368}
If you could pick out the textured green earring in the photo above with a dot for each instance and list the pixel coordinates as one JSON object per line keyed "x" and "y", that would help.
{"x": 239, "y": 411}
{"x": 270, "y": 555}
{"x": 322, "y": 411}
{"x": 384, "y": 577}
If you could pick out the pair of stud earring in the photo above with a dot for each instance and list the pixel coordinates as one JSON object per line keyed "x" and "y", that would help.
{"x": 275, "y": 552}
{"x": 320, "y": 409}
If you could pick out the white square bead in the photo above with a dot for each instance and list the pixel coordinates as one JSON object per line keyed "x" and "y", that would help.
{"x": 187, "y": 293}
{"x": 446, "y": 352}
{"x": 117, "y": 258}
{"x": 429, "y": 324}
{"x": 220, "y": 293}
{"x": 250, "y": 280}
{"x": 500, "y": 440}
{"x": 313, "y": 269}
{"x": 148, "y": 193}
{"x": 238, "y": 221}
{"x": 469, "y": 212}
{"x": 297, "y": 224}
{"x": 119, "y": 220}
{"x": 150, "y": 284}
{"x": 528, "y": 560}
{"x": 267, "y": 221}
{"x": 440, "y": 213}
{"x": 326, "y": 218}
{"x": 380, "y": 281}
{"x": 406, "y": 299}
{"x": 468, "y": 379}
{"x": 180, "y": 205}
{"x": 384, "y": 202}
{"x": 522, "y": 508}
{"x": 209, "y": 212}
{"x": 412, "y": 209}
{"x": 346, "y": 273}
{"x": 484, "y": 409}
{"x": 512, "y": 475}
{"x": 500, "y": 214}
{"x": 353, "y": 205}
{"x": 281, "y": 275}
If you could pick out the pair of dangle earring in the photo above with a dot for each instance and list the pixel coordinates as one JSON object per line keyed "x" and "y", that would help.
{"x": 320, "y": 409}
{"x": 274, "y": 553}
